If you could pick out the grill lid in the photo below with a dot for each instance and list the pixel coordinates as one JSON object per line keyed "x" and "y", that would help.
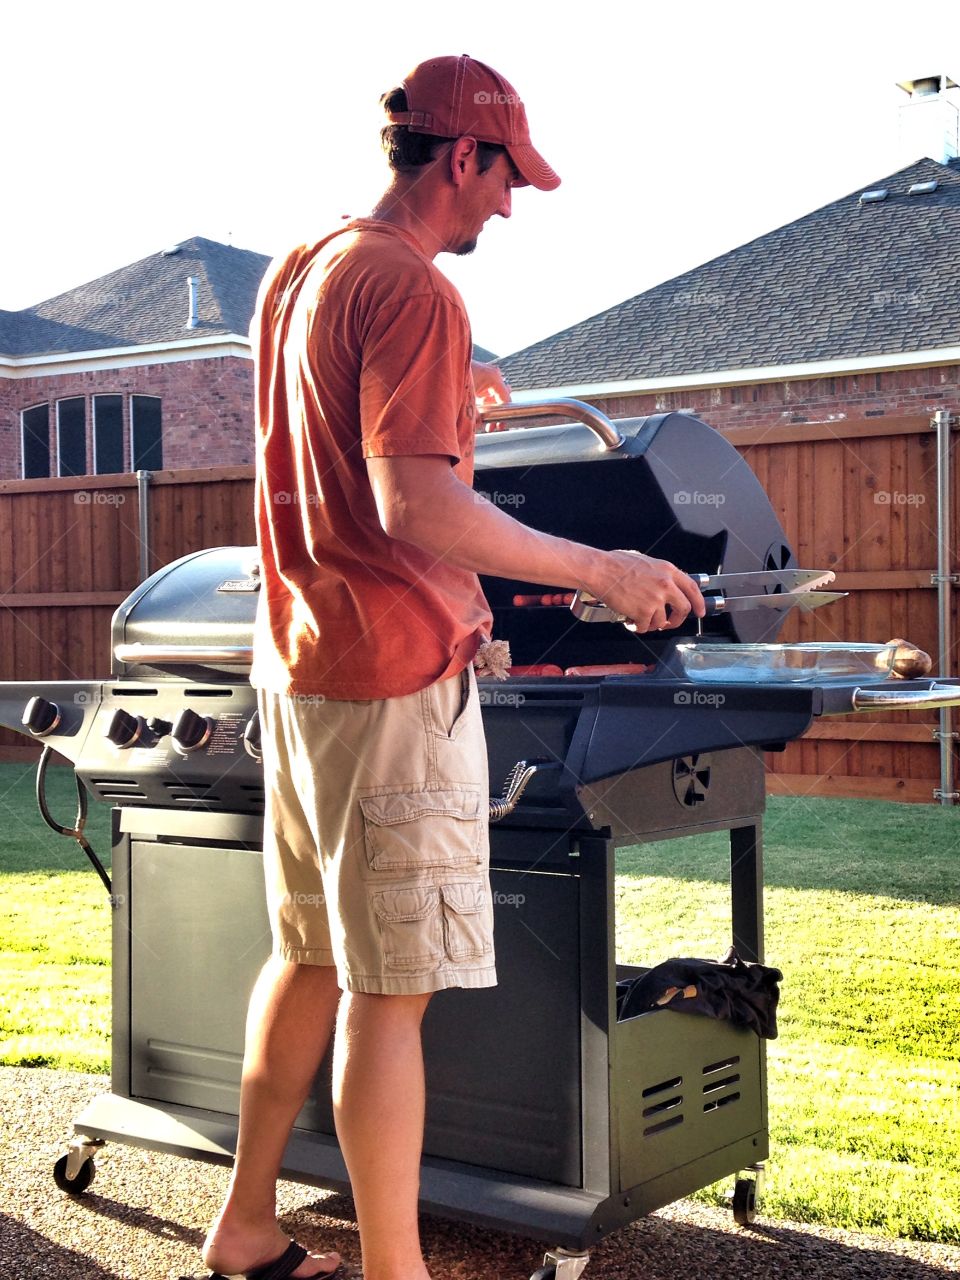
{"x": 197, "y": 612}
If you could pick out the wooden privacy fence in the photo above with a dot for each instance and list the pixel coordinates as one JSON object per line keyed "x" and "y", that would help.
{"x": 858, "y": 497}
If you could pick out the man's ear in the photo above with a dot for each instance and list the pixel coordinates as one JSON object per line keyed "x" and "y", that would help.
{"x": 461, "y": 157}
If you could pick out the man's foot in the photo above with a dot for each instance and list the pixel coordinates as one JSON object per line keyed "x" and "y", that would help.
{"x": 232, "y": 1252}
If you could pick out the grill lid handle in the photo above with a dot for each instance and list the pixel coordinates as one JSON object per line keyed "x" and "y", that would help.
{"x": 185, "y": 654}
{"x": 560, "y": 407}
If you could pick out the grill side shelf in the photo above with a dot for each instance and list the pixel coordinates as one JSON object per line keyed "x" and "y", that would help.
{"x": 637, "y": 727}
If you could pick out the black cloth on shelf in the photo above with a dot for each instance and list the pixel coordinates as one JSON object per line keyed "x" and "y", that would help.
{"x": 739, "y": 991}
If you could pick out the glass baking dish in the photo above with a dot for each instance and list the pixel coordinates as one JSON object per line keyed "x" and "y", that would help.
{"x": 786, "y": 663}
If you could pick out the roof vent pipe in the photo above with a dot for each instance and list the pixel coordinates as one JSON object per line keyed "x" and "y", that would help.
{"x": 192, "y": 318}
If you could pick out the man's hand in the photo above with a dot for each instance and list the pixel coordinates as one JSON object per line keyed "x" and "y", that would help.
{"x": 489, "y": 386}
{"x": 653, "y": 594}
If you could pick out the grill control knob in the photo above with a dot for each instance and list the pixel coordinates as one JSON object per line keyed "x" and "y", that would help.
{"x": 158, "y": 727}
{"x": 251, "y": 737}
{"x": 191, "y": 731}
{"x": 124, "y": 729}
{"x": 40, "y": 716}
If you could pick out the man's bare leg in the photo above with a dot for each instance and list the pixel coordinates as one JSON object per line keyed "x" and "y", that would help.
{"x": 378, "y": 1103}
{"x": 291, "y": 1016}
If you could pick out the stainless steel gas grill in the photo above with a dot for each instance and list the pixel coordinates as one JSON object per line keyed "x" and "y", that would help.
{"x": 546, "y": 1115}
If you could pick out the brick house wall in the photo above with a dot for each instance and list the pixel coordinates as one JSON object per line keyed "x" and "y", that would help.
{"x": 9, "y": 438}
{"x": 862, "y": 395}
{"x": 206, "y": 407}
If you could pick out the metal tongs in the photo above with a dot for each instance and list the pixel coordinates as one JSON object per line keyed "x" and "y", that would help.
{"x": 783, "y": 589}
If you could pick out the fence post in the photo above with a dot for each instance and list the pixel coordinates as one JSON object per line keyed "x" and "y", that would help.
{"x": 944, "y": 579}
{"x": 143, "y": 500}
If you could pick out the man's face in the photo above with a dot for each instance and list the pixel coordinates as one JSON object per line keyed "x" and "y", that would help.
{"x": 484, "y": 195}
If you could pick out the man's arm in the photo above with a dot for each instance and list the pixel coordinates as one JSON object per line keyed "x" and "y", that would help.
{"x": 421, "y": 501}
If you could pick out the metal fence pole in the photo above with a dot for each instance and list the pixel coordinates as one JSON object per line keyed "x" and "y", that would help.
{"x": 945, "y": 581}
{"x": 143, "y": 499}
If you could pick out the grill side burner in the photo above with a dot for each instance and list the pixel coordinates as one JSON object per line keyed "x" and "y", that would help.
{"x": 546, "y": 1115}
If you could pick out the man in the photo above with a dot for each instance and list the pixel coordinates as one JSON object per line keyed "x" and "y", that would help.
{"x": 371, "y": 615}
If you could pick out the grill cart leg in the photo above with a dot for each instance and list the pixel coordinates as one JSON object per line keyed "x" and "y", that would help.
{"x": 747, "y": 1194}
{"x": 74, "y": 1172}
{"x": 561, "y": 1264}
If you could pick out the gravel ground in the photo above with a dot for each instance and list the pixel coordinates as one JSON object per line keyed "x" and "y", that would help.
{"x": 145, "y": 1215}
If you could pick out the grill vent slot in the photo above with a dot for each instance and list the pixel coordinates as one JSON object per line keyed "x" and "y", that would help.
{"x": 725, "y": 1083}
{"x": 664, "y": 1124}
{"x": 118, "y": 789}
{"x": 721, "y": 1102}
{"x": 664, "y": 1084}
{"x": 191, "y": 792}
{"x": 667, "y": 1105}
{"x": 721, "y": 1066}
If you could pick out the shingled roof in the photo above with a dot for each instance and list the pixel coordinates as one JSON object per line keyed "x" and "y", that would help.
{"x": 849, "y": 279}
{"x": 143, "y": 303}
{"x": 147, "y": 303}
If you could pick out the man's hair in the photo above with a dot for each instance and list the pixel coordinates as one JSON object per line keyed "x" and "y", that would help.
{"x": 407, "y": 151}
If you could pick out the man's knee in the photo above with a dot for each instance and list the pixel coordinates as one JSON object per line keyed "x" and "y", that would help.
{"x": 386, "y": 1008}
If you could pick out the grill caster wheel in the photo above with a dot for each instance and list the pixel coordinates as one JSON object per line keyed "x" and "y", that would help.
{"x": 561, "y": 1264}
{"x": 744, "y": 1201}
{"x": 76, "y": 1185}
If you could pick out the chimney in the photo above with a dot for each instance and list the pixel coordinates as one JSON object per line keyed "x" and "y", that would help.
{"x": 928, "y": 122}
{"x": 192, "y": 318}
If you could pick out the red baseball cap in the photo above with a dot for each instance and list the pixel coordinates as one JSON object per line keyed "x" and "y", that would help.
{"x": 454, "y": 97}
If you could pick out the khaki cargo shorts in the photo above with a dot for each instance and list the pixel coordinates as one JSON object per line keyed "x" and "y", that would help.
{"x": 376, "y": 846}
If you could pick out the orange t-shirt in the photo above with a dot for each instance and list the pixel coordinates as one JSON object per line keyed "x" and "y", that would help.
{"x": 362, "y": 350}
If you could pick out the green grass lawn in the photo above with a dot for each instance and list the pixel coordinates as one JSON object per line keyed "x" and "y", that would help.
{"x": 862, "y": 915}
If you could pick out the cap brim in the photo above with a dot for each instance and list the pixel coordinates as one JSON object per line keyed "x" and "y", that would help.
{"x": 534, "y": 170}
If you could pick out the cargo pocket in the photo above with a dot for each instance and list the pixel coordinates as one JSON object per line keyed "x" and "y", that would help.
{"x": 410, "y": 930}
{"x": 466, "y": 933}
{"x": 418, "y": 830}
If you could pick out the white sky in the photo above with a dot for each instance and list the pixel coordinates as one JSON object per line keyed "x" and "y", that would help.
{"x": 680, "y": 130}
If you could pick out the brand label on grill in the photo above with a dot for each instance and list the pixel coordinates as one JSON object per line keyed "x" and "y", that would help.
{"x": 240, "y": 584}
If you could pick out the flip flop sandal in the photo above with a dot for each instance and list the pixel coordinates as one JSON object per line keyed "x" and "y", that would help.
{"x": 279, "y": 1269}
